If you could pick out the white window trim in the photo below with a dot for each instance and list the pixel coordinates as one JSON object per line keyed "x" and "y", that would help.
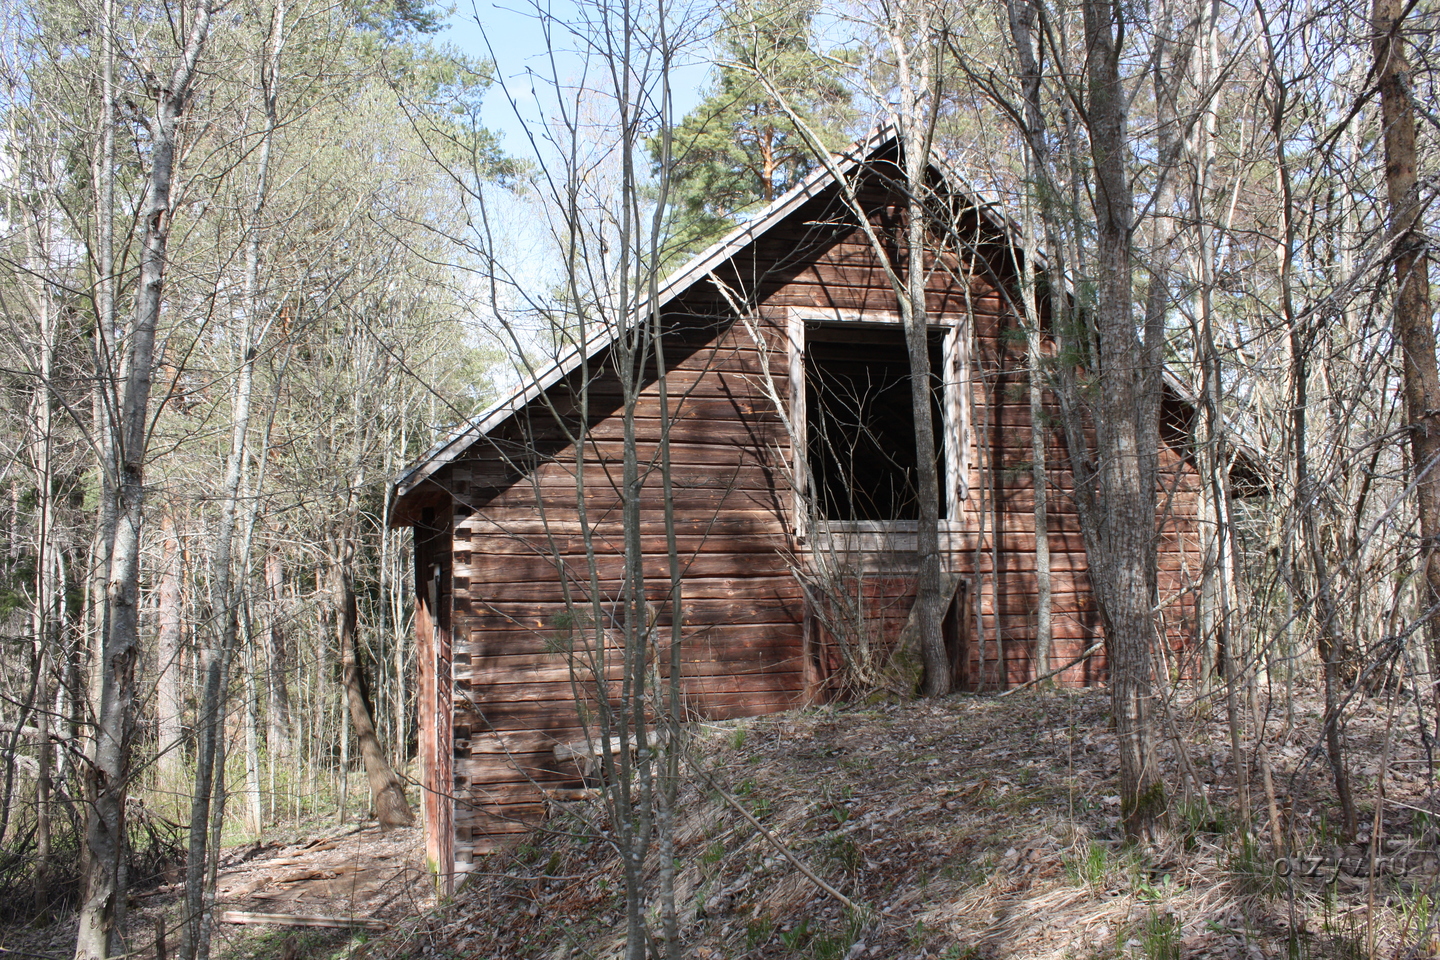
{"x": 955, "y": 409}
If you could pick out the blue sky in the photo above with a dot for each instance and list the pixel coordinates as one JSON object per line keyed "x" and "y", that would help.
{"x": 510, "y": 33}
{"x": 517, "y": 44}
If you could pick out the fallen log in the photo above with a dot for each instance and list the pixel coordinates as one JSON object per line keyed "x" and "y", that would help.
{"x": 571, "y": 794}
{"x": 301, "y": 920}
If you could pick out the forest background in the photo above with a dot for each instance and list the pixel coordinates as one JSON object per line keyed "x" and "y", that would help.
{"x": 257, "y": 256}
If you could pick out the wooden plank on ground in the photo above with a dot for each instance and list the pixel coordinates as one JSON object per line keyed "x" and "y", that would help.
{"x": 301, "y": 920}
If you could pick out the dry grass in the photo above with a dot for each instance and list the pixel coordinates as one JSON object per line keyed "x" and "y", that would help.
{"x": 971, "y": 827}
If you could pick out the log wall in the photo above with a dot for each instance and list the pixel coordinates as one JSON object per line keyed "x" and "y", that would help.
{"x": 535, "y": 529}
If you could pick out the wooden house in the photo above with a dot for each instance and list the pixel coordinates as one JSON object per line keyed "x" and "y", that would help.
{"x": 789, "y": 422}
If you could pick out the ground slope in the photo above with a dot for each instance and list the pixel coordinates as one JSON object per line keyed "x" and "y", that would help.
{"x": 981, "y": 827}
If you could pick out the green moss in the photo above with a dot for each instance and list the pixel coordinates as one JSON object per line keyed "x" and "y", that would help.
{"x": 1148, "y": 806}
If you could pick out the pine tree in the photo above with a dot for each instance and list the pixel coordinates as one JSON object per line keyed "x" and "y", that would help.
{"x": 740, "y": 149}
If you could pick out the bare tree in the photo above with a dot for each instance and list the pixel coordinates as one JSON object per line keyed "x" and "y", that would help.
{"x": 223, "y": 627}
{"x": 387, "y": 792}
{"x": 1413, "y": 321}
{"x": 98, "y": 937}
{"x": 1072, "y": 102}
{"x": 916, "y": 31}
{"x": 914, "y": 48}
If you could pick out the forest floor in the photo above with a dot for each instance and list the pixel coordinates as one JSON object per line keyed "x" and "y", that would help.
{"x": 966, "y": 827}
{"x": 982, "y": 827}
{"x": 340, "y": 880}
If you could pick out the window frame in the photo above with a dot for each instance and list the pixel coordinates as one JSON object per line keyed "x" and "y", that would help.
{"x": 955, "y": 408}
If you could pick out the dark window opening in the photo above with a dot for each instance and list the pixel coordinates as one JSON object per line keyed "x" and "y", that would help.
{"x": 859, "y": 422}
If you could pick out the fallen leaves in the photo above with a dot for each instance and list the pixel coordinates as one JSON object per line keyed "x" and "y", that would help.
{"x": 968, "y": 823}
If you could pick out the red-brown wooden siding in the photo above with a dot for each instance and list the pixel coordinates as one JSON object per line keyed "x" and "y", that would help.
{"x": 748, "y": 649}
{"x": 433, "y": 633}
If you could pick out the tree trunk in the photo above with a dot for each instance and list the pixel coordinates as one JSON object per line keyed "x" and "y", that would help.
{"x": 914, "y": 116}
{"x": 168, "y": 703}
{"x": 1021, "y": 15}
{"x": 1414, "y": 325}
{"x": 1302, "y": 485}
{"x": 254, "y": 801}
{"x": 1330, "y": 646}
{"x": 43, "y": 790}
{"x": 342, "y": 800}
{"x": 387, "y": 793}
{"x": 1128, "y": 399}
{"x": 98, "y": 935}
{"x": 1039, "y": 474}
{"x": 107, "y": 322}
{"x": 215, "y": 662}
{"x": 911, "y": 30}
{"x": 218, "y": 655}
{"x": 49, "y": 606}
{"x": 279, "y": 734}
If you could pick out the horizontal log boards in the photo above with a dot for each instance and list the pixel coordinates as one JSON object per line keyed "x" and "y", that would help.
{"x": 536, "y": 521}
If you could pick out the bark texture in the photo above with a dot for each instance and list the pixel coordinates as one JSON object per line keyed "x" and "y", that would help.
{"x": 930, "y": 596}
{"x": 102, "y": 901}
{"x": 912, "y": 38}
{"x": 387, "y": 793}
{"x": 1414, "y": 326}
{"x": 1126, "y": 434}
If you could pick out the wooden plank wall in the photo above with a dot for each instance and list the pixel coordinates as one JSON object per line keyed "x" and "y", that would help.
{"x": 1006, "y": 564}
{"x": 522, "y": 580}
{"x": 523, "y": 577}
{"x": 433, "y": 633}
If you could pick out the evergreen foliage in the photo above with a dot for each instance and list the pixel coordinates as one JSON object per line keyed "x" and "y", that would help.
{"x": 740, "y": 148}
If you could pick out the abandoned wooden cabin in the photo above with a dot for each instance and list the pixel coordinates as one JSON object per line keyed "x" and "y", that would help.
{"x": 793, "y": 308}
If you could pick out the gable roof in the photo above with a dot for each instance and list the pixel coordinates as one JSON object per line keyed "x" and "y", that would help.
{"x": 539, "y": 380}
{"x": 454, "y": 445}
